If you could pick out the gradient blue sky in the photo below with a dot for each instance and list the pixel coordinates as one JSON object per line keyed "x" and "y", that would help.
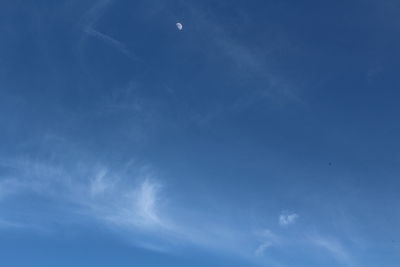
{"x": 266, "y": 133}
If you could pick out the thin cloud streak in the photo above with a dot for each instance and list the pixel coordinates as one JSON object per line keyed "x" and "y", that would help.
{"x": 248, "y": 63}
{"x": 333, "y": 246}
{"x": 95, "y": 12}
{"x": 89, "y": 27}
{"x": 269, "y": 239}
{"x": 110, "y": 41}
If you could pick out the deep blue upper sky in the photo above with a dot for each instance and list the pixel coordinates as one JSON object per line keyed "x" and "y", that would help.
{"x": 265, "y": 133}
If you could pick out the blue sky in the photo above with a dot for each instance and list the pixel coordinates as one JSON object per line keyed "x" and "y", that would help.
{"x": 265, "y": 133}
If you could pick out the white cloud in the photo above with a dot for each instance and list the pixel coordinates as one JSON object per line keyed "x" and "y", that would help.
{"x": 269, "y": 239}
{"x": 262, "y": 248}
{"x": 132, "y": 201}
{"x": 287, "y": 218}
{"x": 333, "y": 246}
{"x": 135, "y": 208}
{"x": 146, "y": 201}
{"x": 129, "y": 201}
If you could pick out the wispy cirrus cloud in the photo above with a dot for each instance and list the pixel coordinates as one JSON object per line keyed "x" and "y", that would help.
{"x": 333, "y": 246}
{"x": 268, "y": 240}
{"x": 89, "y": 21}
{"x": 147, "y": 200}
{"x": 109, "y": 40}
{"x": 132, "y": 199}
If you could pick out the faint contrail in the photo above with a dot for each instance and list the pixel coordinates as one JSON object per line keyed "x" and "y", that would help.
{"x": 90, "y": 20}
{"x": 109, "y": 40}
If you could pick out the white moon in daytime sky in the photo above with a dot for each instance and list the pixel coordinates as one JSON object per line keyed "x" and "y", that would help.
{"x": 179, "y": 26}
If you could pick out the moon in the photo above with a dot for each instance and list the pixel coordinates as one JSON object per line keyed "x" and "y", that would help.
{"x": 179, "y": 26}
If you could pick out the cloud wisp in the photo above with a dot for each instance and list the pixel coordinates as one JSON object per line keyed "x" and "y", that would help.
{"x": 269, "y": 240}
{"x": 109, "y": 40}
{"x": 133, "y": 201}
{"x": 287, "y": 218}
{"x": 89, "y": 22}
{"x": 333, "y": 246}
